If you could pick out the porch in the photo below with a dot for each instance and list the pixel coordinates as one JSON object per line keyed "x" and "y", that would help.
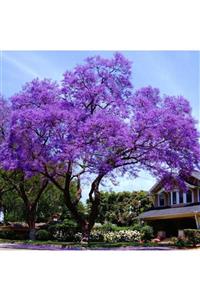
{"x": 171, "y": 220}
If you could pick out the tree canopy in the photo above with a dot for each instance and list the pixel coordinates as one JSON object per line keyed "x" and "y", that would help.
{"x": 94, "y": 125}
{"x": 122, "y": 208}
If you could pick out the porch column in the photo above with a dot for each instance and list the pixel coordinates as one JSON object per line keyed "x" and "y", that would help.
{"x": 197, "y": 219}
{"x": 171, "y": 199}
{"x": 184, "y": 198}
{"x": 177, "y": 197}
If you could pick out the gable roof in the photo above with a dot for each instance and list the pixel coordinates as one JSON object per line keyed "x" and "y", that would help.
{"x": 195, "y": 174}
{"x": 171, "y": 212}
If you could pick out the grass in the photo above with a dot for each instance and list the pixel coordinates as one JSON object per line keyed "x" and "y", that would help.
{"x": 90, "y": 245}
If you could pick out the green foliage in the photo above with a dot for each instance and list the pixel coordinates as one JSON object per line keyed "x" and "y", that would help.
{"x": 107, "y": 227}
{"x": 97, "y": 235}
{"x": 145, "y": 230}
{"x": 180, "y": 242}
{"x": 12, "y": 235}
{"x": 51, "y": 201}
{"x": 192, "y": 236}
{"x": 13, "y": 205}
{"x": 121, "y": 208}
{"x": 64, "y": 231}
{"x": 2, "y": 235}
{"x": 42, "y": 235}
{"x": 137, "y": 226}
{"x": 147, "y": 233}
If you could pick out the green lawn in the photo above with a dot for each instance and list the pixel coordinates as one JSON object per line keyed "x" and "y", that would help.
{"x": 90, "y": 245}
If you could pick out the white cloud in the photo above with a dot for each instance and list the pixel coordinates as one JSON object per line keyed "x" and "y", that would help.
{"x": 25, "y": 68}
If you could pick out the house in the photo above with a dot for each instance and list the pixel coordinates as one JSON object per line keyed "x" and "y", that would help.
{"x": 175, "y": 210}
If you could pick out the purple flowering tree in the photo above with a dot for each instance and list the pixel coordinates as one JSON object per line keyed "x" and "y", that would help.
{"x": 4, "y": 123}
{"x": 95, "y": 126}
{"x": 13, "y": 177}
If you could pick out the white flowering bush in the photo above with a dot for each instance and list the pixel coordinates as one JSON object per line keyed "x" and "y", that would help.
{"x": 97, "y": 236}
{"x": 112, "y": 236}
{"x": 78, "y": 236}
{"x": 122, "y": 236}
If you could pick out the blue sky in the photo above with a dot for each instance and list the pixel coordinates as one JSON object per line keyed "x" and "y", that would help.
{"x": 173, "y": 72}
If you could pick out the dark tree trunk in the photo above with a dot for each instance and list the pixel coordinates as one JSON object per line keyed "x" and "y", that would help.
{"x": 85, "y": 233}
{"x": 86, "y": 223}
{"x": 80, "y": 219}
{"x": 31, "y": 218}
{"x": 31, "y": 207}
{"x": 95, "y": 199}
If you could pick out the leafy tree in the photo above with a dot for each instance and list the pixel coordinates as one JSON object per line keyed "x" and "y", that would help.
{"x": 30, "y": 191}
{"x": 52, "y": 203}
{"x": 121, "y": 208}
{"x": 96, "y": 126}
{"x": 13, "y": 207}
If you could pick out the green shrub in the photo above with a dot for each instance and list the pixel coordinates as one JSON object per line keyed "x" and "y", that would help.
{"x": 42, "y": 235}
{"x": 10, "y": 235}
{"x": 78, "y": 237}
{"x": 145, "y": 230}
{"x": 147, "y": 233}
{"x": 64, "y": 231}
{"x": 180, "y": 242}
{"x": 137, "y": 227}
{"x": 96, "y": 235}
{"x": 108, "y": 227}
{"x": 2, "y": 235}
{"x": 192, "y": 236}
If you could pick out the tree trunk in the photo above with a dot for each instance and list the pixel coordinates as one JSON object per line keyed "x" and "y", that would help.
{"x": 31, "y": 216}
{"x": 85, "y": 222}
{"x": 80, "y": 219}
{"x": 85, "y": 233}
{"x": 95, "y": 199}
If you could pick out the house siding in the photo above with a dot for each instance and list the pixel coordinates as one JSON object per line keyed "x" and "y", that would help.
{"x": 173, "y": 217}
{"x": 195, "y": 191}
{"x": 167, "y": 199}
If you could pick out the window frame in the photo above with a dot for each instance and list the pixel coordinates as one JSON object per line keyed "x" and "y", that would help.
{"x": 192, "y": 196}
{"x": 159, "y": 194}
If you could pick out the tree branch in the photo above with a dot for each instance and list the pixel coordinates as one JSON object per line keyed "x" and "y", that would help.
{"x": 94, "y": 198}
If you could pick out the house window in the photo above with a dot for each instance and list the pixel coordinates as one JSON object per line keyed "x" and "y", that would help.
{"x": 189, "y": 196}
{"x": 174, "y": 197}
{"x": 161, "y": 199}
{"x": 180, "y": 197}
